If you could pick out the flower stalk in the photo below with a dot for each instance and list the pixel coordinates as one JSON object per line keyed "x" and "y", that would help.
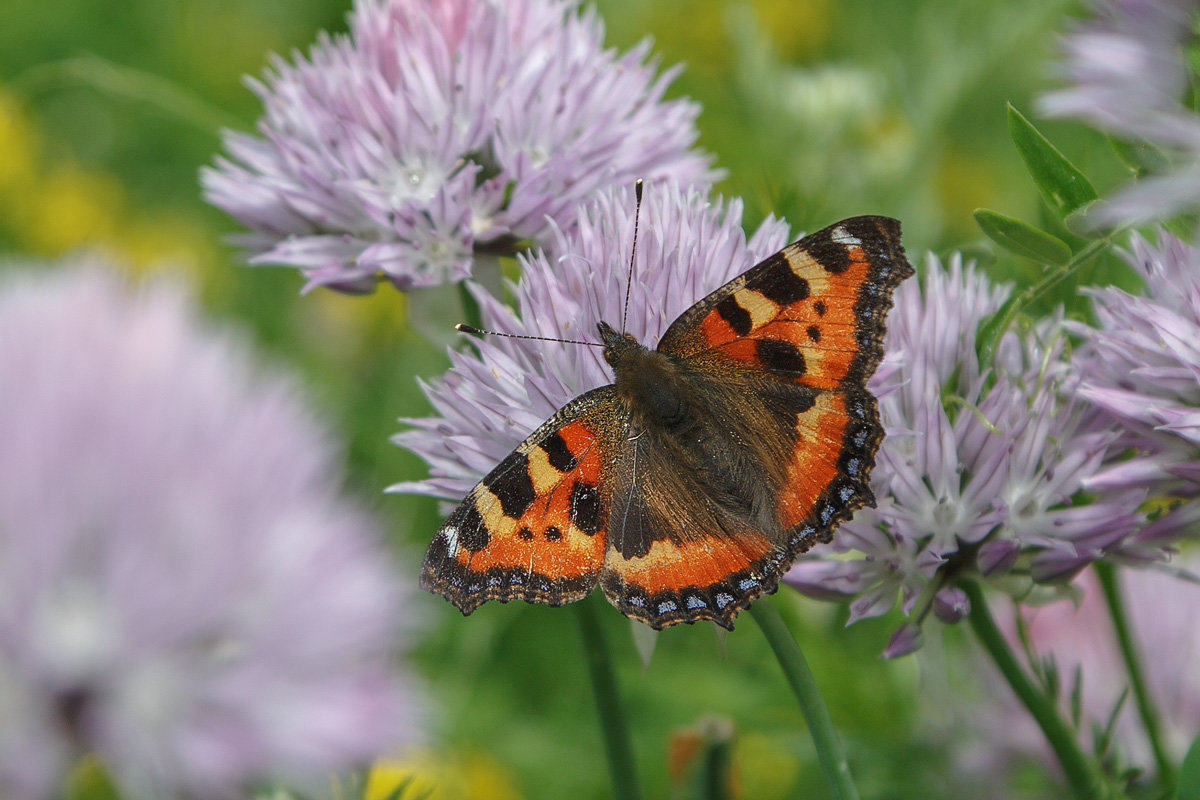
{"x": 621, "y": 765}
{"x": 1115, "y": 603}
{"x": 829, "y": 748}
{"x": 1079, "y": 774}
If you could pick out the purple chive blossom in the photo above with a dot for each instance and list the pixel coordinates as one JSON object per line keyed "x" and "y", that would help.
{"x": 979, "y": 468}
{"x": 1142, "y": 368}
{"x": 1127, "y": 75}
{"x": 434, "y": 131}
{"x": 186, "y": 596}
{"x": 489, "y": 401}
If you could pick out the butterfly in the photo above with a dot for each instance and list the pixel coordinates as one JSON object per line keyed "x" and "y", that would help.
{"x": 689, "y": 485}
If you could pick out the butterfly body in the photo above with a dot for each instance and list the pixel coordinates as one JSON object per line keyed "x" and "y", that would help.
{"x": 688, "y": 485}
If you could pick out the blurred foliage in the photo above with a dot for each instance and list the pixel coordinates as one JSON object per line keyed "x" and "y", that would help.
{"x": 817, "y": 109}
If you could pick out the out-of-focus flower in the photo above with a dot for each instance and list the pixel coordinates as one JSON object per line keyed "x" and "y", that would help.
{"x": 688, "y": 245}
{"x": 440, "y": 775}
{"x": 1141, "y": 365}
{"x": 1127, "y": 76}
{"x": 186, "y": 595}
{"x": 980, "y": 469}
{"x": 435, "y": 131}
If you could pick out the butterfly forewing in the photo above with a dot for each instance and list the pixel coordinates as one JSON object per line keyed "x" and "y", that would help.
{"x": 533, "y": 528}
{"x": 813, "y": 312}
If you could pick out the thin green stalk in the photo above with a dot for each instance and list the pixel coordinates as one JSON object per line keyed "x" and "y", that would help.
{"x": 621, "y": 766}
{"x": 118, "y": 80}
{"x": 1062, "y": 739}
{"x": 1137, "y": 675}
{"x": 829, "y": 748}
{"x": 993, "y": 329}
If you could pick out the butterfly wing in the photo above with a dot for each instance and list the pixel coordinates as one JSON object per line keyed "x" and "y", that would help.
{"x": 813, "y": 312}
{"x": 534, "y": 527}
{"x": 776, "y": 361}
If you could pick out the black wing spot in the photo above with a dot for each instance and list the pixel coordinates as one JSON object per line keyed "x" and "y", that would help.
{"x": 558, "y": 454}
{"x": 553, "y": 534}
{"x": 778, "y": 283}
{"x": 814, "y": 333}
{"x": 833, "y": 256}
{"x": 820, "y": 308}
{"x": 585, "y": 507}
{"x": 472, "y": 531}
{"x": 738, "y": 318}
{"x": 512, "y": 485}
{"x": 780, "y": 356}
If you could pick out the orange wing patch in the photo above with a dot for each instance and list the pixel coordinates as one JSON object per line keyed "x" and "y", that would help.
{"x": 533, "y": 528}
{"x": 820, "y": 435}
{"x": 555, "y": 537}
{"x": 698, "y": 562}
{"x": 705, "y": 577}
{"x": 827, "y": 478}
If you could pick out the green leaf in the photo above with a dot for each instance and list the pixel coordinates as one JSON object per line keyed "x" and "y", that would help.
{"x": 1060, "y": 182}
{"x": 1189, "y": 773}
{"x": 88, "y": 780}
{"x": 1023, "y": 238}
{"x": 1140, "y": 158}
{"x": 992, "y": 328}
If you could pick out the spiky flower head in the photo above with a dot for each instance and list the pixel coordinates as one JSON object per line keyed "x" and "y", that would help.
{"x": 491, "y": 399}
{"x": 436, "y": 131}
{"x": 186, "y": 594}
{"x": 1142, "y": 368}
{"x": 981, "y": 468}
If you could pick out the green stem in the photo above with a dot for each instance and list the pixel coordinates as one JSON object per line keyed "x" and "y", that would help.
{"x": 118, "y": 80}
{"x": 1060, "y": 736}
{"x": 991, "y": 331}
{"x": 621, "y": 765}
{"x": 825, "y": 739}
{"x": 1137, "y": 675}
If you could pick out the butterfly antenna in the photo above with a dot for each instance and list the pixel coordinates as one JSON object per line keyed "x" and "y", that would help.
{"x": 463, "y": 328}
{"x": 637, "y": 212}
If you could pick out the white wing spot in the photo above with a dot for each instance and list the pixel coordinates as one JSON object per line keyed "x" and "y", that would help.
{"x": 450, "y": 537}
{"x": 844, "y": 237}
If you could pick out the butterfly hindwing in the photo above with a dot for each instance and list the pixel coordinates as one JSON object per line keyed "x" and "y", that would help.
{"x": 813, "y": 312}
{"x": 675, "y": 553}
{"x": 707, "y": 518}
{"x": 533, "y": 528}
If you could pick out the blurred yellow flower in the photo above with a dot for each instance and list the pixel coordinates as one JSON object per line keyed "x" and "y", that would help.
{"x": 70, "y": 208}
{"x": 795, "y": 28}
{"x": 769, "y": 768}
{"x": 18, "y": 148}
{"x": 427, "y": 775}
{"x": 50, "y": 208}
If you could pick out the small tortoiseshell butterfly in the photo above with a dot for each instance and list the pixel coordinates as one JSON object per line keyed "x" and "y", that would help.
{"x": 691, "y": 483}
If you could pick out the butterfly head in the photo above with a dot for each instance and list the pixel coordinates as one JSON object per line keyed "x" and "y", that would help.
{"x": 617, "y": 346}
